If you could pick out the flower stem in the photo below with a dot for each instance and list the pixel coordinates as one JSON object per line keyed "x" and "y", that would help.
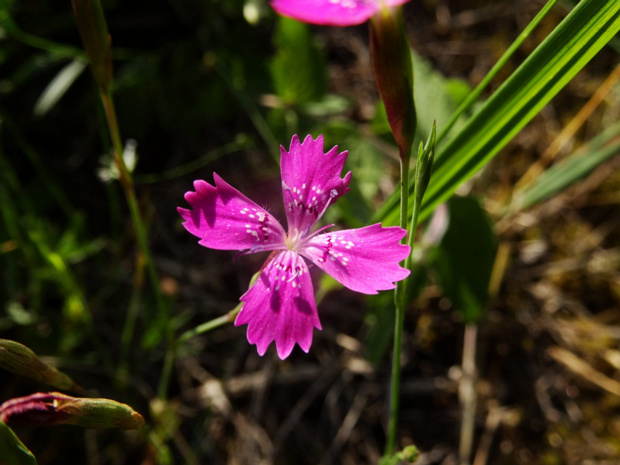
{"x": 200, "y": 329}
{"x": 130, "y": 321}
{"x": 467, "y": 393}
{"x": 400, "y": 312}
{"x": 209, "y": 325}
{"x": 127, "y": 184}
{"x": 423, "y": 170}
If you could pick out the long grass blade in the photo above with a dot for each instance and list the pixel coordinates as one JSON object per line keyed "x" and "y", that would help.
{"x": 578, "y": 38}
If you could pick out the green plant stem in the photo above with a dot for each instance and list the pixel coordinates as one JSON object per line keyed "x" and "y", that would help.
{"x": 54, "y": 48}
{"x": 209, "y": 325}
{"x": 141, "y": 237}
{"x": 130, "y": 321}
{"x": 200, "y": 329}
{"x": 422, "y": 176}
{"x": 474, "y": 94}
{"x": 400, "y": 312}
{"x": 412, "y": 229}
{"x": 467, "y": 393}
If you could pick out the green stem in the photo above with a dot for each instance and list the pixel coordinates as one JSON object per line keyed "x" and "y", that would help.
{"x": 141, "y": 237}
{"x": 400, "y": 312}
{"x": 166, "y": 371}
{"x": 130, "y": 321}
{"x": 414, "y": 226}
{"x": 467, "y": 393}
{"x": 172, "y": 351}
{"x": 423, "y": 170}
{"x": 209, "y": 325}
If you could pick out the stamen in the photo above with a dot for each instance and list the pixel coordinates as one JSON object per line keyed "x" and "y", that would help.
{"x": 259, "y": 248}
{"x": 293, "y": 277}
{"x": 332, "y": 194}
{"x": 320, "y": 230}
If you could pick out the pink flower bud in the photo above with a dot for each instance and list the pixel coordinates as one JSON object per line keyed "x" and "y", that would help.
{"x": 54, "y": 408}
{"x": 391, "y": 61}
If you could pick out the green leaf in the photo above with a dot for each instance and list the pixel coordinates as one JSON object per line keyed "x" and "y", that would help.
{"x": 409, "y": 454}
{"x": 59, "y": 86}
{"x": 298, "y": 70}
{"x": 571, "y": 45}
{"x": 464, "y": 259}
{"x": 329, "y": 105}
{"x": 380, "y": 322}
{"x": 572, "y": 169}
{"x": 12, "y": 450}
{"x": 436, "y": 97}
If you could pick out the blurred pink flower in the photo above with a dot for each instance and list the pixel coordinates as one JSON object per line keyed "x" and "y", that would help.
{"x": 280, "y": 305}
{"x": 331, "y": 12}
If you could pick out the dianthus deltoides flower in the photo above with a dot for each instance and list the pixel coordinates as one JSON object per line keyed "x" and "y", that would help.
{"x": 280, "y": 305}
{"x": 331, "y": 12}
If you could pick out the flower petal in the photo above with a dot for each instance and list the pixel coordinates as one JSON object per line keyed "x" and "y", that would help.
{"x": 310, "y": 181}
{"x": 280, "y": 306}
{"x": 225, "y": 219}
{"x": 330, "y": 12}
{"x": 364, "y": 260}
{"x": 327, "y": 12}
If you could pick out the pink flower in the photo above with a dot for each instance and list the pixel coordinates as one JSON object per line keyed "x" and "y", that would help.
{"x": 280, "y": 306}
{"x": 331, "y": 12}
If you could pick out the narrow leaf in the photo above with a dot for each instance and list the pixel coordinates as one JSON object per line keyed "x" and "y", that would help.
{"x": 572, "y": 44}
{"x": 58, "y": 86}
{"x": 12, "y": 450}
{"x": 464, "y": 259}
{"x": 569, "y": 171}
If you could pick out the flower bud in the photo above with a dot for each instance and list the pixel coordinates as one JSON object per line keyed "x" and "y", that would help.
{"x": 54, "y": 408}
{"x": 424, "y": 165}
{"x": 19, "y": 359}
{"x": 391, "y": 61}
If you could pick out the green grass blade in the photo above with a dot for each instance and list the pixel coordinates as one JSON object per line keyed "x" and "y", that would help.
{"x": 473, "y": 96}
{"x": 578, "y": 38}
{"x": 569, "y": 171}
{"x": 12, "y": 450}
{"x": 59, "y": 86}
